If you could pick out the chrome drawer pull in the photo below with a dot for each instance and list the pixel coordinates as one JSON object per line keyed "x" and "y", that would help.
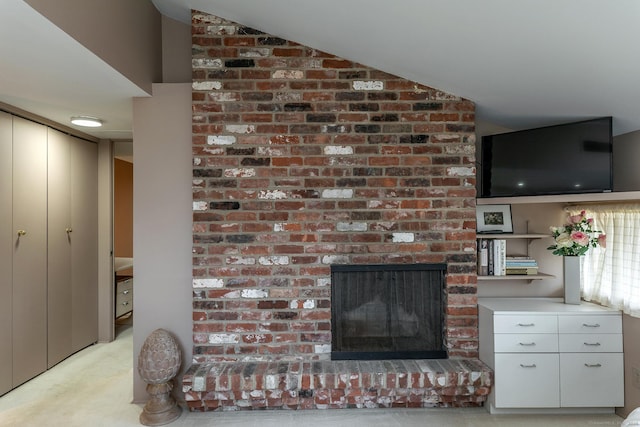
{"x": 595, "y": 344}
{"x": 595, "y": 325}
{"x": 125, "y": 303}
{"x": 597, "y": 365}
{"x": 528, "y": 344}
{"x": 126, "y": 292}
{"x": 528, "y": 366}
{"x": 526, "y": 324}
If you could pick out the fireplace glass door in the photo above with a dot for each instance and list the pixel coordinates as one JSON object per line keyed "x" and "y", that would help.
{"x": 388, "y": 311}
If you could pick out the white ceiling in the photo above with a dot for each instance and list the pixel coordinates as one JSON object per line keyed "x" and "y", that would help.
{"x": 46, "y": 72}
{"x": 524, "y": 63}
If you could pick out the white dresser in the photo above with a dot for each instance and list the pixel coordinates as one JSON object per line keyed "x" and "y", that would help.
{"x": 123, "y": 286}
{"x": 547, "y": 354}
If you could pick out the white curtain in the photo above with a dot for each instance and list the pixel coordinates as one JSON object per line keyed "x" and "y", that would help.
{"x": 611, "y": 275}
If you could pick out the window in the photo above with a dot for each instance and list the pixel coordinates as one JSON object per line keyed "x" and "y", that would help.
{"x": 611, "y": 275}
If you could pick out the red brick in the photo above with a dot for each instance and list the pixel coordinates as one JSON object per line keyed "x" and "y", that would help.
{"x": 438, "y": 208}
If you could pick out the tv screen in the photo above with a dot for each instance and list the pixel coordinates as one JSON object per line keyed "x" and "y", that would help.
{"x": 562, "y": 159}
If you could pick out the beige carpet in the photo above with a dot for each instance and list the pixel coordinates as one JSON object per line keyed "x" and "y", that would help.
{"x": 94, "y": 388}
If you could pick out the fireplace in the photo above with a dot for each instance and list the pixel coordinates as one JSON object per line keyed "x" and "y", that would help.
{"x": 303, "y": 160}
{"x": 388, "y": 312}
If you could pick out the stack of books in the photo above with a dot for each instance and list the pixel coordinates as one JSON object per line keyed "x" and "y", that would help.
{"x": 492, "y": 257}
{"x": 521, "y": 265}
{"x": 493, "y": 260}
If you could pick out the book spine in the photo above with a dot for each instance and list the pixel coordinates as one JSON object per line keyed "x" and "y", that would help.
{"x": 502, "y": 255}
{"x": 490, "y": 253}
{"x": 483, "y": 257}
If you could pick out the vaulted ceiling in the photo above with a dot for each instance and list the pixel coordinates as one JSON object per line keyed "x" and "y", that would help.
{"x": 524, "y": 63}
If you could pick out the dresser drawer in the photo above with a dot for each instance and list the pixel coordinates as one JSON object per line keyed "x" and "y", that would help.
{"x": 603, "y": 324}
{"x": 124, "y": 296}
{"x": 590, "y": 343}
{"x": 525, "y": 324}
{"x": 526, "y": 343}
{"x": 527, "y": 381}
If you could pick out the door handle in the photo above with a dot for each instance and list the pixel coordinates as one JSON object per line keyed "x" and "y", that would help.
{"x": 22, "y": 232}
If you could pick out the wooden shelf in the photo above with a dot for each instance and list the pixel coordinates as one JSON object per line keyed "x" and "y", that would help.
{"x": 524, "y": 236}
{"x": 529, "y": 277}
{"x": 614, "y": 196}
{"x": 512, "y": 236}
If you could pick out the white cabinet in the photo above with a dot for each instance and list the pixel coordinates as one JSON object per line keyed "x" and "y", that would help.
{"x": 546, "y": 354}
{"x": 591, "y": 379}
{"x": 124, "y": 295}
{"x": 526, "y": 380}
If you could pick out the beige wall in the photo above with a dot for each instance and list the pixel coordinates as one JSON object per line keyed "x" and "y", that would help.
{"x": 176, "y": 51}
{"x": 106, "y": 291}
{"x": 124, "y": 33}
{"x": 162, "y": 220}
{"x": 626, "y": 153}
{"x": 631, "y": 331}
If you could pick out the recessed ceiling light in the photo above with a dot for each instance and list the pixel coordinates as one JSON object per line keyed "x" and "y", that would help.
{"x": 86, "y": 121}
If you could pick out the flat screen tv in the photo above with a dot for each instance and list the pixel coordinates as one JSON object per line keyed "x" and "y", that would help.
{"x": 563, "y": 159}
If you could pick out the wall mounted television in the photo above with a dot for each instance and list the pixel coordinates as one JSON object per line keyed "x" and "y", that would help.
{"x": 562, "y": 159}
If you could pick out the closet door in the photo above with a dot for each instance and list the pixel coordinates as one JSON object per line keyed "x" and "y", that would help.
{"x": 6, "y": 253}
{"x": 84, "y": 242}
{"x": 59, "y": 318}
{"x": 72, "y": 246}
{"x": 29, "y": 247}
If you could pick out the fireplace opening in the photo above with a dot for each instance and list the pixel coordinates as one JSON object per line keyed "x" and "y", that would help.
{"x": 394, "y": 311}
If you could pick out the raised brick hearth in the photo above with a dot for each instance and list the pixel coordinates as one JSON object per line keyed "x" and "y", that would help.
{"x": 336, "y": 384}
{"x": 303, "y": 160}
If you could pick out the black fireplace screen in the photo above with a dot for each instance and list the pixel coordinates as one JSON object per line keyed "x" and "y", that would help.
{"x": 392, "y": 311}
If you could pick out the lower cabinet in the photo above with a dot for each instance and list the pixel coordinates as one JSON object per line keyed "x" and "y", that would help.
{"x": 124, "y": 295}
{"x": 527, "y": 380}
{"x": 592, "y": 380}
{"x": 547, "y": 354}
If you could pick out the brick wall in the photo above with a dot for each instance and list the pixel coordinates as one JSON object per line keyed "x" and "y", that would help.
{"x": 303, "y": 160}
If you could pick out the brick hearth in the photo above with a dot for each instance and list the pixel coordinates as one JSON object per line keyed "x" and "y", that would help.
{"x": 336, "y": 384}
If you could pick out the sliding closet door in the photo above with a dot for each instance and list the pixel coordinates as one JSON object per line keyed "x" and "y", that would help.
{"x": 29, "y": 242}
{"x": 59, "y": 319}
{"x": 84, "y": 242}
{"x": 6, "y": 254}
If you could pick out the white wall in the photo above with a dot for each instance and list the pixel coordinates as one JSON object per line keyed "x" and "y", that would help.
{"x": 631, "y": 331}
{"x": 162, "y": 209}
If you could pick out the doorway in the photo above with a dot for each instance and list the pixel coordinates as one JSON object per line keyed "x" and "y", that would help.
{"x": 123, "y": 235}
